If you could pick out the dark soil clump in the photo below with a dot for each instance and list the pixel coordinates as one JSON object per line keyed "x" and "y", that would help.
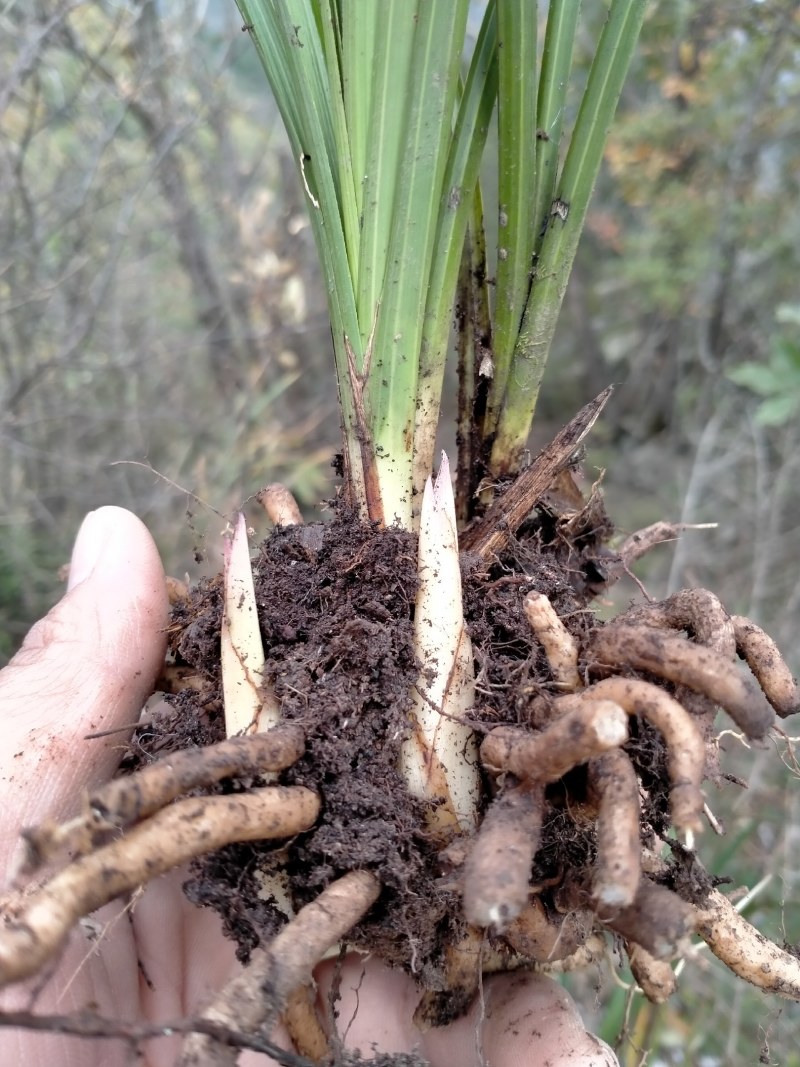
{"x": 336, "y": 606}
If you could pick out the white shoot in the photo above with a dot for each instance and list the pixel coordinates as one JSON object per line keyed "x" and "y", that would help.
{"x": 440, "y": 758}
{"x": 250, "y": 705}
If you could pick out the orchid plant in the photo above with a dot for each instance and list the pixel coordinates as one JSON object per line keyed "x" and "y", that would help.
{"x": 389, "y": 114}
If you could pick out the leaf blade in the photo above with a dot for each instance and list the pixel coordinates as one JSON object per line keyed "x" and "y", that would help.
{"x": 516, "y": 134}
{"x": 565, "y": 223}
{"x": 455, "y": 210}
{"x": 393, "y": 379}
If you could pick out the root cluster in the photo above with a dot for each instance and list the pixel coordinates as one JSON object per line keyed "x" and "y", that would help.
{"x": 602, "y": 763}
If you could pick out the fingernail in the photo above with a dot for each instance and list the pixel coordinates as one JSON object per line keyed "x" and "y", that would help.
{"x": 93, "y": 536}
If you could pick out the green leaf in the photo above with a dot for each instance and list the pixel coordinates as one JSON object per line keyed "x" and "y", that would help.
{"x": 559, "y": 42}
{"x": 786, "y": 357}
{"x": 392, "y": 386}
{"x": 788, "y": 313}
{"x": 777, "y": 410}
{"x": 455, "y": 208}
{"x": 516, "y": 136}
{"x": 763, "y": 379}
{"x": 327, "y": 18}
{"x": 564, "y": 226}
{"x": 359, "y": 20}
{"x": 386, "y": 131}
{"x": 389, "y": 156}
{"x": 753, "y": 376}
{"x": 287, "y": 38}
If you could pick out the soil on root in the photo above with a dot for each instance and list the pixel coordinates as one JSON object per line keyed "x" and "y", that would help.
{"x": 336, "y": 608}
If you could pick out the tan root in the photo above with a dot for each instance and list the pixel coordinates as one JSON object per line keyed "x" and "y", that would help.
{"x": 697, "y": 611}
{"x": 126, "y": 800}
{"x": 642, "y": 541}
{"x": 579, "y": 735}
{"x": 764, "y": 659}
{"x": 679, "y": 660}
{"x": 303, "y": 1025}
{"x": 463, "y": 963}
{"x": 684, "y": 742}
{"x": 280, "y": 505}
{"x": 656, "y": 978}
{"x": 591, "y": 953}
{"x": 177, "y": 590}
{"x": 260, "y": 993}
{"x": 498, "y": 868}
{"x": 619, "y": 852}
{"x": 545, "y": 936}
{"x": 34, "y": 923}
{"x": 658, "y": 920}
{"x": 558, "y": 643}
{"x": 744, "y": 950}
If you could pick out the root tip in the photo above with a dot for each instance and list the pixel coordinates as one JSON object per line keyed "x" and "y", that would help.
{"x": 495, "y": 916}
{"x": 686, "y": 838}
{"x": 613, "y": 897}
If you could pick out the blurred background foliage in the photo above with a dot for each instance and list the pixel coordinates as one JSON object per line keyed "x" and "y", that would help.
{"x": 158, "y": 293}
{"x": 161, "y": 311}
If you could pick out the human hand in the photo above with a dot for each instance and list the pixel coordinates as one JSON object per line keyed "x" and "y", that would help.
{"x": 87, "y": 668}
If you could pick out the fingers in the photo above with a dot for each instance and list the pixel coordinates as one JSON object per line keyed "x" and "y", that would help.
{"x": 522, "y": 1020}
{"x": 374, "y": 1007}
{"x": 530, "y": 1020}
{"x": 86, "y": 667}
{"x": 525, "y": 1020}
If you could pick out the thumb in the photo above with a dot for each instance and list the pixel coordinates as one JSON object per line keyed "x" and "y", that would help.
{"x": 531, "y": 1019}
{"x": 88, "y": 666}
